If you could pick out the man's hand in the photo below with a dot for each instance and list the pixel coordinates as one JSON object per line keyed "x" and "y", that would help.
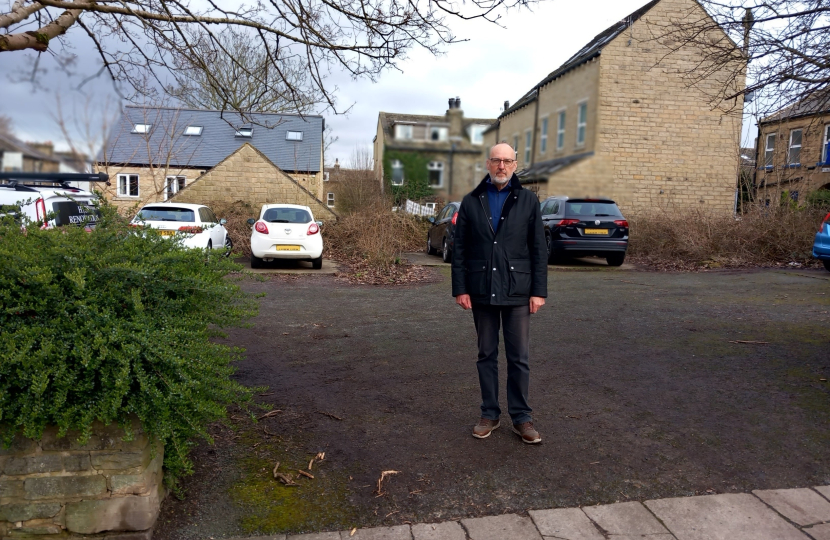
{"x": 535, "y": 303}
{"x": 463, "y": 300}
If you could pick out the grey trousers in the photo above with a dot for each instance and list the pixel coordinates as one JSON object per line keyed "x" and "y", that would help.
{"x": 516, "y": 322}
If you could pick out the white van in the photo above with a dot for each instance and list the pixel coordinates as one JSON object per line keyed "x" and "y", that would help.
{"x": 49, "y": 199}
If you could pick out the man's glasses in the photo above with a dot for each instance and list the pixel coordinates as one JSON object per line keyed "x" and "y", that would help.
{"x": 505, "y": 162}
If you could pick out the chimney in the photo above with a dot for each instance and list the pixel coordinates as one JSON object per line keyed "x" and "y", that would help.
{"x": 455, "y": 116}
{"x": 44, "y": 148}
{"x": 506, "y": 104}
{"x": 336, "y": 164}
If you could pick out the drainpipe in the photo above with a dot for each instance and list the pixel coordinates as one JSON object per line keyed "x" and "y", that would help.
{"x": 535, "y": 127}
{"x": 449, "y": 180}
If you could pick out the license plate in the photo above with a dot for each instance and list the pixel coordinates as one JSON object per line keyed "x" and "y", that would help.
{"x": 167, "y": 233}
{"x": 596, "y": 231}
{"x": 287, "y": 248}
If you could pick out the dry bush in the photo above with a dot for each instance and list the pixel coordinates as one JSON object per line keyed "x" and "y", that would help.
{"x": 761, "y": 237}
{"x": 375, "y": 234}
{"x": 237, "y": 213}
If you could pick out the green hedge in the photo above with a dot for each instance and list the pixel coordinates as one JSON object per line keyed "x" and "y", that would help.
{"x": 115, "y": 323}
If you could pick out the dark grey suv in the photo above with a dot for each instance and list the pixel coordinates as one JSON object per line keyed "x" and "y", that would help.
{"x": 584, "y": 227}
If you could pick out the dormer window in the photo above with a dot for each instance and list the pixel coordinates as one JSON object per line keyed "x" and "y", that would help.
{"x": 293, "y": 135}
{"x": 142, "y": 128}
{"x": 193, "y": 130}
{"x": 438, "y": 133}
{"x": 403, "y": 132}
{"x": 246, "y": 132}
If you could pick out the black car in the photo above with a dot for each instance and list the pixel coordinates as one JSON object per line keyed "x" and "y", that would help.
{"x": 584, "y": 227}
{"x": 442, "y": 231}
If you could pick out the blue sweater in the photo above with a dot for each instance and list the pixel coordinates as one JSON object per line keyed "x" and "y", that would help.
{"x": 496, "y": 199}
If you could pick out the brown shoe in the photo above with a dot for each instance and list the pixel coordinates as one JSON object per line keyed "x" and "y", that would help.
{"x": 526, "y": 431}
{"x": 485, "y": 427}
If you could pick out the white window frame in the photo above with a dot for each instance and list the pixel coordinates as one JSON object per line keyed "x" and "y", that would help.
{"x": 142, "y": 129}
{"x": 790, "y": 162}
{"x": 581, "y": 122}
{"x": 825, "y": 159}
{"x": 193, "y": 131}
{"x": 442, "y": 131}
{"x": 528, "y": 145}
{"x": 126, "y": 178}
{"x": 431, "y": 207}
{"x": 330, "y": 199}
{"x": 477, "y": 133}
{"x": 543, "y": 138}
{"x": 245, "y": 132}
{"x": 561, "y": 118}
{"x": 396, "y": 164}
{"x": 436, "y": 166}
{"x": 173, "y": 181}
{"x": 516, "y": 146}
{"x": 326, "y": 176}
{"x": 769, "y": 151}
{"x": 403, "y": 132}
{"x": 293, "y": 135}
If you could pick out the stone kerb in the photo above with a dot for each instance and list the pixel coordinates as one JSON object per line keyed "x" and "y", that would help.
{"x": 57, "y": 488}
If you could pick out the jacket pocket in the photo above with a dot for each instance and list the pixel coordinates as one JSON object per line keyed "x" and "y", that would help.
{"x": 477, "y": 278}
{"x": 519, "y": 284}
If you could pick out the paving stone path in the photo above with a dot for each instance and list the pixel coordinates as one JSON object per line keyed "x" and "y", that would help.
{"x": 775, "y": 514}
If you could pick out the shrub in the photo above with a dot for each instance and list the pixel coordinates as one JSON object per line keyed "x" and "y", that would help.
{"x": 761, "y": 236}
{"x": 375, "y": 234}
{"x": 113, "y": 324}
{"x": 237, "y": 213}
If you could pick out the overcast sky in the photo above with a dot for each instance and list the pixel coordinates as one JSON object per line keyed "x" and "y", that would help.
{"x": 494, "y": 65}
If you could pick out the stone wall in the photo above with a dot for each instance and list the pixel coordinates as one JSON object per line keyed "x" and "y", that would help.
{"x": 247, "y": 175}
{"x": 151, "y": 185}
{"x": 58, "y": 488}
{"x": 668, "y": 143}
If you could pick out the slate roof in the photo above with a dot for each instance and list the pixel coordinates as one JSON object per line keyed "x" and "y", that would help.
{"x": 9, "y": 143}
{"x": 387, "y": 120}
{"x": 217, "y": 141}
{"x": 816, "y": 103}
{"x": 544, "y": 169}
{"x": 585, "y": 54}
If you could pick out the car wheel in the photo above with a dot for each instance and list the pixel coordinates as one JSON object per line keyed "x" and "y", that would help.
{"x": 615, "y": 259}
{"x": 446, "y": 254}
{"x": 228, "y": 245}
{"x": 317, "y": 263}
{"x": 256, "y": 262}
{"x": 826, "y": 265}
{"x": 430, "y": 250}
{"x": 551, "y": 252}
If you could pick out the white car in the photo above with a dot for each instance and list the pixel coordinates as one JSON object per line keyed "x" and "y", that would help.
{"x": 49, "y": 199}
{"x": 286, "y": 231}
{"x": 195, "y": 225}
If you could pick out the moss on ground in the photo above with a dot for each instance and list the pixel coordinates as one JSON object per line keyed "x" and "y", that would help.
{"x": 321, "y": 503}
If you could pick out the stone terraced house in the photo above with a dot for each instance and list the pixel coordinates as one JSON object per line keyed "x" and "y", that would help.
{"x": 205, "y": 156}
{"x": 794, "y": 151}
{"x": 444, "y": 155}
{"x": 618, "y": 119}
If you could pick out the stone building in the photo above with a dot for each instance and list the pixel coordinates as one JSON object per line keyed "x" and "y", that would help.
{"x": 428, "y": 157}
{"x": 794, "y": 151}
{"x": 152, "y": 154}
{"x": 618, "y": 119}
{"x": 31, "y": 157}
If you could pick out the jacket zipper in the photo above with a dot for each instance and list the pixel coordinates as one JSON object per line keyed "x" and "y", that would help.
{"x": 490, "y": 220}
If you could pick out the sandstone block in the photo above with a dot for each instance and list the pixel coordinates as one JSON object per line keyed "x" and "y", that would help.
{"x": 130, "y": 513}
{"x": 20, "y": 445}
{"x": 11, "y": 488}
{"x": 27, "y": 511}
{"x": 138, "y": 484}
{"x": 120, "y": 460}
{"x": 57, "y": 487}
{"x": 76, "y": 463}
{"x": 42, "y": 463}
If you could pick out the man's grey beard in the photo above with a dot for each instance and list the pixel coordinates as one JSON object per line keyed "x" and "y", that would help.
{"x": 500, "y": 182}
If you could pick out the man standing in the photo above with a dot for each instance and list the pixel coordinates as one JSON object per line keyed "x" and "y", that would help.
{"x": 499, "y": 269}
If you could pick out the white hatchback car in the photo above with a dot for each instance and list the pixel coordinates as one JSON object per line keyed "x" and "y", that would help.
{"x": 194, "y": 224}
{"x": 286, "y": 231}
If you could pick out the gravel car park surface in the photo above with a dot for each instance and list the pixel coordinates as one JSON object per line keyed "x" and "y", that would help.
{"x": 644, "y": 385}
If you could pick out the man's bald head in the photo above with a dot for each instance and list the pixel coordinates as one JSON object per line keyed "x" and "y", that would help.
{"x": 501, "y": 163}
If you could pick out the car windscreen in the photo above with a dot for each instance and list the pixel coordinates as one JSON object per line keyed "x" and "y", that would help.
{"x": 166, "y": 214}
{"x": 591, "y": 209}
{"x": 286, "y": 215}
